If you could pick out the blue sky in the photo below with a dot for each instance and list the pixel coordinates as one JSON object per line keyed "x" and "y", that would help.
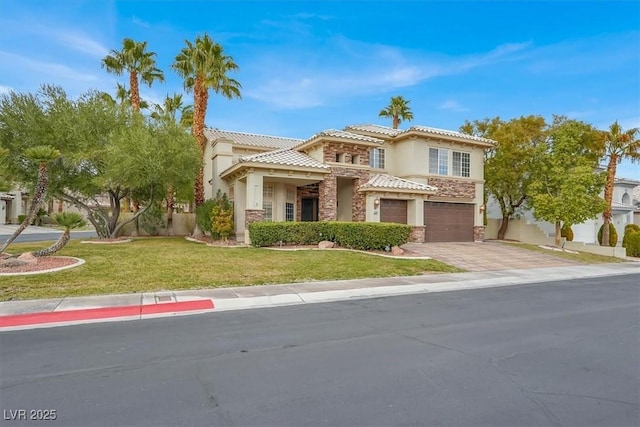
{"x": 306, "y": 66}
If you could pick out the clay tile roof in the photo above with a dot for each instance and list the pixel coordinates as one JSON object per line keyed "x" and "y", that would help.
{"x": 391, "y": 182}
{"x": 252, "y": 139}
{"x": 347, "y": 135}
{"x": 382, "y": 130}
{"x": 445, "y": 132}
{"x": 284, "y": 157}
{"x": 5, "y": 196}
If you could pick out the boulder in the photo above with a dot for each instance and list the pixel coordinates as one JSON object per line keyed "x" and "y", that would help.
{"x": 397, "y": 251}
{"x": 28, "y": 258}
{"x": 325, "y": 244}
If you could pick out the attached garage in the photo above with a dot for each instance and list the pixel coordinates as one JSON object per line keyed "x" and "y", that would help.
{"x": 448, "y": 222}
{"x": 392, "y": 210}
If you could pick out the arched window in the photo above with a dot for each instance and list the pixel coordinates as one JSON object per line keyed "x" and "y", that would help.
{"x": 626, "y": 199}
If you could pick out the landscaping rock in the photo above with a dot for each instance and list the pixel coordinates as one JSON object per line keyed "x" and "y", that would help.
{"x": 397, "y": 251}
{"x": 28, "y": 258}
{"x": 325, "y": 244}
{"x": 12, "y": 262}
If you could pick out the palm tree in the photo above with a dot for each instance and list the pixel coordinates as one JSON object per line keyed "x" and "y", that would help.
{"x": 618, "y": 145}
{"x": 138, "y": 62}
{"x": 203, "y": 66}
{"x": 42, "y": 155}
{"x": 69, "y": 220}
{"x": 398, "y": 109}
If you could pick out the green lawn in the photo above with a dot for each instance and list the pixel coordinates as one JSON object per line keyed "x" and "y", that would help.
{"x": 153, "y": 264}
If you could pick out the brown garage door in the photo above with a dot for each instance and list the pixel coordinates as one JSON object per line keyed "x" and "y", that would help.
{"x": 393, "y": 211}
{"x": 448, "y": 222}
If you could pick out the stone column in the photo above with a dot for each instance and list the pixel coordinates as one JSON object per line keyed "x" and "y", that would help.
{"x": 328, "y": 190}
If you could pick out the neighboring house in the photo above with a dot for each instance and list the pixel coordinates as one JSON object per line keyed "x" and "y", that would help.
{"x": 623, "y": 213}
{"x": 636, "y": 203}
{"x": 12, "y": 204}
{"x": 431, "y": 179}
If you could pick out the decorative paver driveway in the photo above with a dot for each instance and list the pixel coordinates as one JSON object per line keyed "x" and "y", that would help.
{"x": 486, "y": 256}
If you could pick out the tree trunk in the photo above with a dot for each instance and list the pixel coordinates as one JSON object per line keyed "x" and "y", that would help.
{"x": 558, "y": 233}
{"x": 502, "y": 231}
{"x": 608, "y": 197}
{"x": 170, "y": 211}
{"x": 58, "y": 245}
{"x": 396, "y": 121}
{"x": 135, "y": 91}
{"x": 38, "y": 197}
{"x": 201, "y": 96}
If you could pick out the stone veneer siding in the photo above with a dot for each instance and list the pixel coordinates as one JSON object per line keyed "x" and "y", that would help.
{"x": 328, "y": 209}
{"x": 453, "y": 187}
{"x": 478, "y": 233}
{"x": 417, "y": 234}
{"x": 253, "y": 215}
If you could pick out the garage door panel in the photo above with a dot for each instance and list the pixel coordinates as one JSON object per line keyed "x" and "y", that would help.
{"x": 393, "y": 211}
{"x": 448, "y": 222}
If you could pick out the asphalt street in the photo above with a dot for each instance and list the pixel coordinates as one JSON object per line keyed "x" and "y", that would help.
{"x": 550, "y": 354}
{"x": 40, "y": 237}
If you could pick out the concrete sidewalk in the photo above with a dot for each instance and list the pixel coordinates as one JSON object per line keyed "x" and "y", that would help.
{"x": 73, "y": 310}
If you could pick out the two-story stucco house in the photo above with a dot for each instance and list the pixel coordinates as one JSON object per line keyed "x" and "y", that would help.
{"x": 431, "y": 179}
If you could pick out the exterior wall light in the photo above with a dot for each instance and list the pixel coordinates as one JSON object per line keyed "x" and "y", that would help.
{"x": 376, "y": 203}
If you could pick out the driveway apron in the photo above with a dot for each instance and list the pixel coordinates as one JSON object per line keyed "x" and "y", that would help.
{"x": 486, "y": 256}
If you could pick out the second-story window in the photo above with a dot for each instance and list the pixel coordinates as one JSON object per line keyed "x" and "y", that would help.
{"x": 376, "y": 158}
{"x": 461, "y": 164}
{"x": 438, "y": 161}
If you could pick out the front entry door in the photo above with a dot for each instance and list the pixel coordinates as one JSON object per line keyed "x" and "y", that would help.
{"x": 309, "y": 211}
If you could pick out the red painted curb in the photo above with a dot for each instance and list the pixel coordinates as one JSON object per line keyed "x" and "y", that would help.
{"x": 103, "y": 313}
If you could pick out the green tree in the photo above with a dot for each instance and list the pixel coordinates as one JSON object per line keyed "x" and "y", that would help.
{"x": 397, "y": 110}
{"x": 106, "y": 152}
{"x": 565, "y": 187}
{"x": 509, "y": 165}
{"x": 618, "y": 145}
{"x": 138, "y": 62}
{"x": 204, "y": 66}
{"x": 40, "y": 156}
{"x": 69, "y": 220}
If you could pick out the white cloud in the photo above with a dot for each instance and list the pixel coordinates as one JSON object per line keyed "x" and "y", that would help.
{"x": 140, "y": 22}
{"x": 346, "y": 67}
{"x": 5, "y": 89}
{"x": 81, "y": 42}
{"x": 452, "y": 105}
{"x": 49, "y": 70}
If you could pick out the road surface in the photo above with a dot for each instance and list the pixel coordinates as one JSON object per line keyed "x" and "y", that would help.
{"x": 558, "y": 353}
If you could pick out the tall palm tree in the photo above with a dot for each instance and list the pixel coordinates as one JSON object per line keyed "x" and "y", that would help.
{"x": 138, "y": 62}
{"x": 398, "y": 110}
{"x": 69, "y": 220}
{"x": 42, "y": 155}
{"x": 618, "y": 145}
{"x": 203, "y": 65}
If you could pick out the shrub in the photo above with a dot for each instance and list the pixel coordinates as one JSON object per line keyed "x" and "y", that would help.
{"x": 613, "y": 235}
{"x": 203, "y": 215}
{"x": 152, "y": 220}
{"x": 221, "y": 222}
{"x": 566, "y": 232}
{"x": 628, "y": 230}
{"x": 355, "y": 235}
{"x": 632, "y": 243}
{"x": 21, "y": 218}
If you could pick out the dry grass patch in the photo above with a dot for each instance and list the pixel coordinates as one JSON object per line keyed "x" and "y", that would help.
{"x": 154, "y": 264}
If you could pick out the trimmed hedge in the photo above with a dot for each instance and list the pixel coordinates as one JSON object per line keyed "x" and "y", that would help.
{"x": 613, "y": 235}
{"x": 566, "y": 232}
{"x": 632, "y": 243}
{"x": 628, "y": 231}
{"x": 354, "y": 235}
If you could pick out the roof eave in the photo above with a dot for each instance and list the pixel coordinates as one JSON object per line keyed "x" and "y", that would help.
{"x": 418, "y": 132}
{"x": 262, "y": 165}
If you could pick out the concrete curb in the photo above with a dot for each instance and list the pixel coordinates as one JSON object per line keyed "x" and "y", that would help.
{"x": 67, "y": 311}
